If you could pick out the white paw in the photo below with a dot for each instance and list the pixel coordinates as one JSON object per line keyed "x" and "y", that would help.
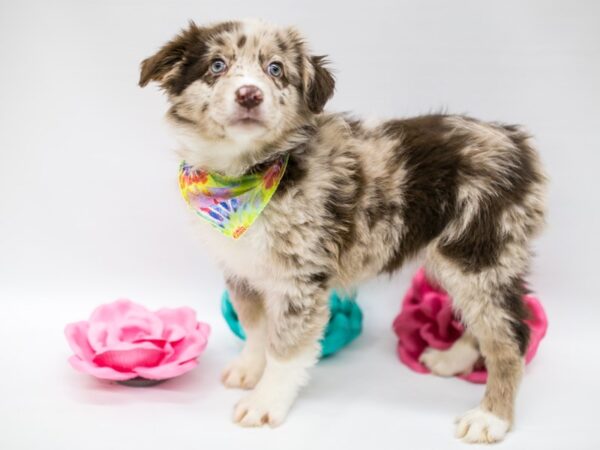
{"x": 260, "y": 408}
{"x": 243, "y": 372}
{"x": 479, "y": 426}
{"x": 457, "y": 360}
{"x": 273, "y": 396}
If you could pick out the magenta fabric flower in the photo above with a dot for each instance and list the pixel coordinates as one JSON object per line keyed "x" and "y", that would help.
{"x": 427, "y": 320}
{"x": 123, "y": 340}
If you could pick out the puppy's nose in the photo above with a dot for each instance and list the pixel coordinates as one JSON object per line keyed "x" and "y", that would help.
{"x": 249, "y": 96}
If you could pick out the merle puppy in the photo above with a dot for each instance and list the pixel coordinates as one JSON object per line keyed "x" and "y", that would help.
{"x": 356, "y": 200}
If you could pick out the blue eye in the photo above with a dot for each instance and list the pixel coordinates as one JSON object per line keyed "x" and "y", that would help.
{"x": 218, "y": 66}
{"x": 275, "y": 69}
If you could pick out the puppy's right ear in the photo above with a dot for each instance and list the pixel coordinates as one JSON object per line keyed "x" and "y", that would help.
{"x": 320, "y": 84}
{"x": 157, "y": 67}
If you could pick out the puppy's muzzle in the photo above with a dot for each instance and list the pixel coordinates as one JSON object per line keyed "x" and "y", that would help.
{"x": 249, "y": 96}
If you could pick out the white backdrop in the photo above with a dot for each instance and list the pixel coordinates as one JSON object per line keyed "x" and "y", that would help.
{"x": 89, "y": 212}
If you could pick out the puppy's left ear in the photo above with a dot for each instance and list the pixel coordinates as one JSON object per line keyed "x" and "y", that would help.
{"x": 320, "y": 84}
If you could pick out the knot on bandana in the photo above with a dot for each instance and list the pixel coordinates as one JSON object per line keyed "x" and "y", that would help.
{"x": 230, "y": 204}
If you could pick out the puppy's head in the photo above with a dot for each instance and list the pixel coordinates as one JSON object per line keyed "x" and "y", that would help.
{"x": 236, "y": 87}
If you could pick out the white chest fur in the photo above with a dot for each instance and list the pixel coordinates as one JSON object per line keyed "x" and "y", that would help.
{"x": 247, "y": 257}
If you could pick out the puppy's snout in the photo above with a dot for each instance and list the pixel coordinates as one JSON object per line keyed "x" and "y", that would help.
{"x": 249, "y": 96}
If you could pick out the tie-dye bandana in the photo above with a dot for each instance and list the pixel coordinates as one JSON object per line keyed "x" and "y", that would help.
{"x": 230, "y": 204}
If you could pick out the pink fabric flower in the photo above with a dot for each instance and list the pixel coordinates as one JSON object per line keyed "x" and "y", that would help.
{"x": 123, "y": 340}
{"x": 427, "y": 320}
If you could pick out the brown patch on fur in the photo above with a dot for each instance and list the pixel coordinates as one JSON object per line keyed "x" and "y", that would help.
{"x": 379, "y": 207}
{"x": 218, "y": 40}
{"x": 241, "y": 41}
{"x": 429, "y": 191}
{"x": 295, "y": 171}
{"x": 512, "y": 302}
{"x": 342, "y": 203}
{"x": 355, "y": 125}
{"x": 283, "y": 47}
{"x": 174, "y": 113}
{"x": 261, "y": 58}
{"x": 321, "y": 279}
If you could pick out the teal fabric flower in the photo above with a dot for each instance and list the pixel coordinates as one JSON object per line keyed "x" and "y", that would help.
{"x": 345, "y": 321}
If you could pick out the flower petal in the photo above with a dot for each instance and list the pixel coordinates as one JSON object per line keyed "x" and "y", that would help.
{"x": 129, "y": 356}
{"x": 122, "y": 321}
{"x": 76, "y": 334}
{"x": 165, "y": 371}
{"x": 192, "y": 345}
{"x": 431, "y": 303}
{"x": 538, "y": 324}
{"x": 97, "y": 333}
{"x": 133, "y": 329}
{"x": 448, "y": 327}
{"x": 116, "y": 310}
{"x": 105, "y": 373}
{"x": 411, "y": 360}
{"x": 177, "y": 322}
{"x": 203, "y": 329}
{"x": 174, "y": 333}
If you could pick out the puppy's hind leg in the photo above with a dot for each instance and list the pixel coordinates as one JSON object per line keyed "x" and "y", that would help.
{"x": 245, "y": 371}
{"x": 492, "y": 309}
{"x": 296, "y": 320}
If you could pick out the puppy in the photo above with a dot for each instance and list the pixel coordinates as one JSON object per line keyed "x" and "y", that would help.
{"x": 355, "y": 200}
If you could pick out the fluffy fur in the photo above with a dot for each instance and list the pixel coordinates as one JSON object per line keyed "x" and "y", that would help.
{"x": 356, "y": 200}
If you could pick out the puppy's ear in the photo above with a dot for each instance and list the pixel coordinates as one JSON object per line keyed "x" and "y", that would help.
{"x": 157, "y": 67}
{"x": 320, "y": 84}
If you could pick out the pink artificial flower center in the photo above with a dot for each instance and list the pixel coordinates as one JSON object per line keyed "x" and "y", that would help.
{"x": 125, "y": 360}
{"x": 133, "y": 332}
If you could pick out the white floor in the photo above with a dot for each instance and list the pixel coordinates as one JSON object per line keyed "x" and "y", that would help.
{"x": 360, "y": 398}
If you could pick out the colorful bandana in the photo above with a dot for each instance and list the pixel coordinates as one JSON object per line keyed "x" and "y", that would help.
{"x": 230, "y": 204}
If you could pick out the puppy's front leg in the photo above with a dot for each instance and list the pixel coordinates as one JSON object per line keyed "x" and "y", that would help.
{"x": 296, "y": 319}
{"x": 245, "y": 371}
